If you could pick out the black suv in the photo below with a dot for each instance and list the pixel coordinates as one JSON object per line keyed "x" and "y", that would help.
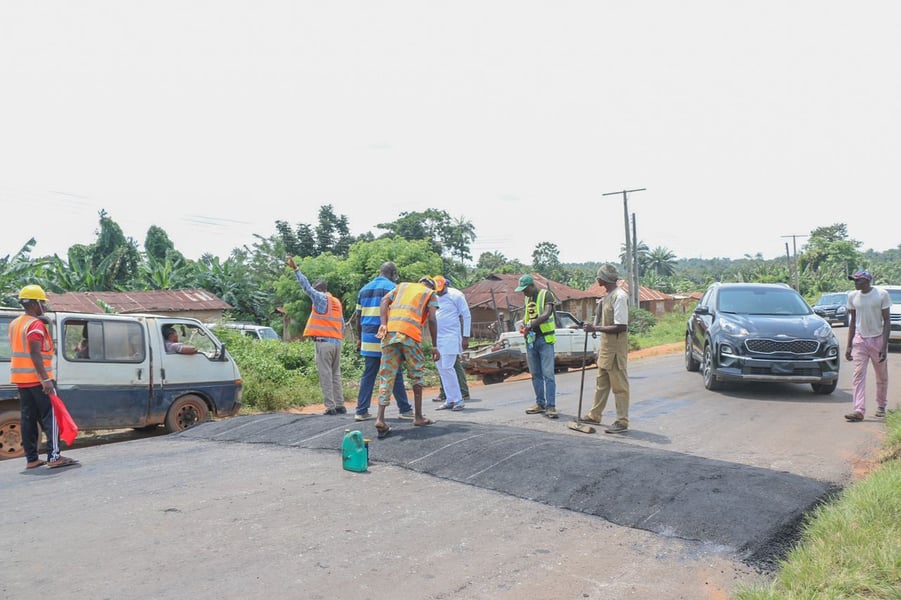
{"x": 834, "y": 308}
{"x": 760, "y": 332}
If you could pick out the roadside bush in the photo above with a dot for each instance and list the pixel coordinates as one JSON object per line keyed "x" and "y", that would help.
{"x": 640, "y": 321}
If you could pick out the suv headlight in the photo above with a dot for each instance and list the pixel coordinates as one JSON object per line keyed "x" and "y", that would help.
{"x": 732, "y": 328}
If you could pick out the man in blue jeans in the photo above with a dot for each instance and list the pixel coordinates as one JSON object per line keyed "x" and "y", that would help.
{"x": 538, "y": 327}
{"x": 367, "y": 321}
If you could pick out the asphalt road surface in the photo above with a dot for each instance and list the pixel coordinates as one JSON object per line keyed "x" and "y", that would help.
{"x": 703, "y": 492}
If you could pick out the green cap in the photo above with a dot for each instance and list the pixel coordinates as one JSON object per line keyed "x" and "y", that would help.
{"x": 524, "y": 282}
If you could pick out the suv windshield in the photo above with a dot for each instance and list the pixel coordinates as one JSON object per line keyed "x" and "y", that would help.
{"x": 832, "y": 299}
{"x": 761, "y": 302}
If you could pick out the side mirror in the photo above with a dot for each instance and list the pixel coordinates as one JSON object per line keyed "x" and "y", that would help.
{"x": 701, "y": 310}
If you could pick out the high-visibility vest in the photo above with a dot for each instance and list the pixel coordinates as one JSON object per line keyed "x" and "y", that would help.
{"x": 533, "y": 310}
{"x": 329, "y": 324}
{"x": 408, "y": 312}
{"x": 21, "y": 367}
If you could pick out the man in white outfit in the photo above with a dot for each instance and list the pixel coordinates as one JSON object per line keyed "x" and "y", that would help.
{"x": 454, "y": 324}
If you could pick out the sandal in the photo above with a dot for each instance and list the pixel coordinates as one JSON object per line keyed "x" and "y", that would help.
{"x": 383, "y": 432}
{"x": 424, "y": 423}
{"x": 588, "y": 419}
{"x": 35, "y": 464}
{"x": 62, "y": 461}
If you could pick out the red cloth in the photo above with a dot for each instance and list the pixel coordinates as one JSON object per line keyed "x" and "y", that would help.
{"x": 68, "y": 430}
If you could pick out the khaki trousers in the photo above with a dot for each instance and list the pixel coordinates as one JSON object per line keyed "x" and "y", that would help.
{"x": 328, "y": 363}
{"x": 617, "y": 380}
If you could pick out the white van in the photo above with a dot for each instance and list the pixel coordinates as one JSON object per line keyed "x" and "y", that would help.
{"x": 112, "y": 371}
{"x": 257, "y": 332}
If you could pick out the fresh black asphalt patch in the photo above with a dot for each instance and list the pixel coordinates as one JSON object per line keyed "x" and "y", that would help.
{"x": 745, "y": 509}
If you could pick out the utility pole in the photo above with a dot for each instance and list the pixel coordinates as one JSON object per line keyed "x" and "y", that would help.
{"x": 794, "y": 238}
{"x": 631, "y": 261}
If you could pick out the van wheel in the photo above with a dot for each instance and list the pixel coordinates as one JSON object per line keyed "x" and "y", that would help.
{"x": 11, "y": 435}
{"x": 185, "y": 412}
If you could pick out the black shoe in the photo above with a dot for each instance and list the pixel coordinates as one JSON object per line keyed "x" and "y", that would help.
{"x": 330, "y": 411}
{"x": 341, "y": 410}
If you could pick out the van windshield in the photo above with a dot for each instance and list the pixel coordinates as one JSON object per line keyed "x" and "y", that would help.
{"x": 268, "y": 333}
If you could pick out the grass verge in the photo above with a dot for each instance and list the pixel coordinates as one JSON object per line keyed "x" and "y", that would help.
{"x": 850, "y": 547}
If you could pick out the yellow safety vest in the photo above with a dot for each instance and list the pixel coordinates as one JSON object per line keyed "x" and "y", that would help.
{"x": 408, "y": 312}
{"x": 533, "y": 310}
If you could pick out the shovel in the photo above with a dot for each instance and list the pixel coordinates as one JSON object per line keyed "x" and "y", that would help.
{"x": 578, "y": 425}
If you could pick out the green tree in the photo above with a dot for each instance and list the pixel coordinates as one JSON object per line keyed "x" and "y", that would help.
{"x": 16, "y": 271}
{"x": 448, "y": 237}
{"x": 113, "y": 255}
{"x": 546, "y": 260}
{"x": 827, "y": 258}
{"x": 661, "y": 261}
{"x": 158, "y": 246}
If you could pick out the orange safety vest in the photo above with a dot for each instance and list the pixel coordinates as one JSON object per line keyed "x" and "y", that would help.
{"x": 408, "y": 312}
{"x": 329, "y": 324}
{"x": 21, "y": 367}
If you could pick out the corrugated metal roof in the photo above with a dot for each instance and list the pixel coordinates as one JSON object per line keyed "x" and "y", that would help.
{"x": 503, "y": 286}
{"x": 152, "y": 301}
{"x": 645, "y": 294}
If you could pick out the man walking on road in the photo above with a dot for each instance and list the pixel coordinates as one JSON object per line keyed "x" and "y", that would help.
{"x": 403, "y": 312}
{"x": 868, "y": 334}
{"x": 366, "y": 320}
{"x": 325, "y": 327}
{"x": 538, "y": 328}
{"x": 30, "y": 370}
{"x": 613, "y": 353}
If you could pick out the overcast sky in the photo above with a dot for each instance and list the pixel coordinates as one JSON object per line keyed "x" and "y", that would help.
{"x": 746, "y": 122}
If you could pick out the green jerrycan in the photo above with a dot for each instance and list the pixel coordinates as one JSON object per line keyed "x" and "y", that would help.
{"x": 353, "y": 450}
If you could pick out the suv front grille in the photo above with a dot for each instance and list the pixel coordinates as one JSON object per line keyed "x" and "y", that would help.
{"x": 766, "y": 346}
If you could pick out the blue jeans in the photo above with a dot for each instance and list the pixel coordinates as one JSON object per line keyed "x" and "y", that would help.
{"x": 541, "y": 365}
{"x": 367, "y": 384}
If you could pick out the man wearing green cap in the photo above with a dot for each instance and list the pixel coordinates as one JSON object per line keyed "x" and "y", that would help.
{"x": 538, "y": 327}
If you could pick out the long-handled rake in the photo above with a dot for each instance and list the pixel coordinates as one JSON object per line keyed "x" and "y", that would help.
{"x": 578, "y": 425}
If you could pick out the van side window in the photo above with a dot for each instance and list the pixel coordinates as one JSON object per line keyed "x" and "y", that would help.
{"x": 103, "y": 341}
{"x": 5, "y": 348}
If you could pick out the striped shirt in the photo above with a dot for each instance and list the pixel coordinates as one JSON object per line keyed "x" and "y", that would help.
{"x": 368, "y": 304}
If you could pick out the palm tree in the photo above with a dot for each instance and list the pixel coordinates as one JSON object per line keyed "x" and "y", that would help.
{"x": 661, "y": 261}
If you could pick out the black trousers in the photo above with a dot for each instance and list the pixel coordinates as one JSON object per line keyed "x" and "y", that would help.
{"x": 36, "y": 409}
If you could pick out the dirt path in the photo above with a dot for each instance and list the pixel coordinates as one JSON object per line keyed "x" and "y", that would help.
{"x": 430, "y": 392}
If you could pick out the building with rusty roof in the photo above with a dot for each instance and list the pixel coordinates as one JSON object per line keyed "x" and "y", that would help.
{"x": 197, "y": 304}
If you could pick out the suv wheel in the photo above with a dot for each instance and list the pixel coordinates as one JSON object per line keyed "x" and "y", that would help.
{"x": 690, "y": 363}
{"x": 824, "y": 388}
{"x": 707, "y": 370}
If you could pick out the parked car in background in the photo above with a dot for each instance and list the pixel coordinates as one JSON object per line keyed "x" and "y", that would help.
{"x": 257, "y": 332}
{"x": 760, "y": 332}
{"x": 833, "y": 307}
{"x": 894, "y": 291}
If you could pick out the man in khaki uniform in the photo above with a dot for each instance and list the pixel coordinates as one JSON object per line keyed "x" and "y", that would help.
{"x": 614, "y": 352}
